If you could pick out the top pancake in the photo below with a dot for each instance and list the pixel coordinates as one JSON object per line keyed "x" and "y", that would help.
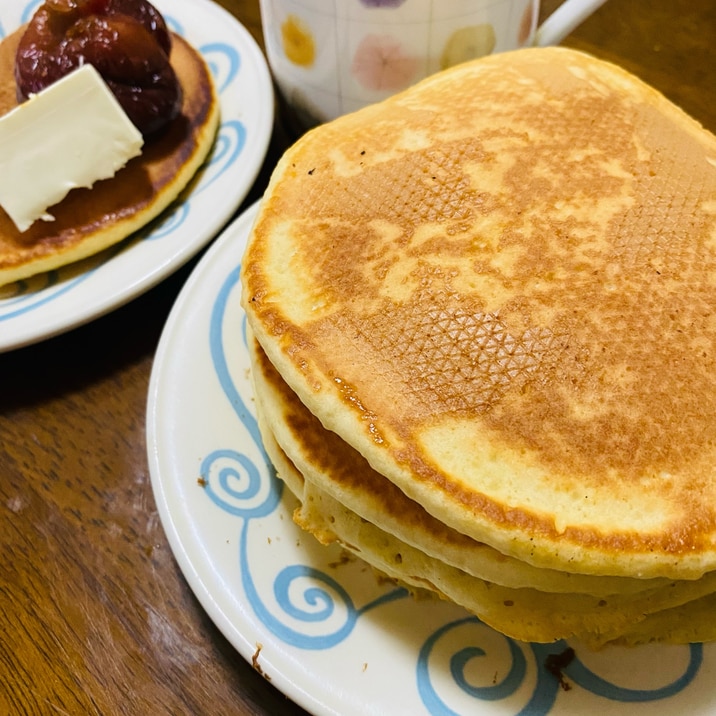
{"x": 89, "y": 220}
{"x": 500, "y": 288}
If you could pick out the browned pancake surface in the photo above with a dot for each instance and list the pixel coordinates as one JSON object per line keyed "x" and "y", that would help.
{"x": 88, "y": 220}
{"x": 501, "y": 288}
{"x": 541, "y": 614}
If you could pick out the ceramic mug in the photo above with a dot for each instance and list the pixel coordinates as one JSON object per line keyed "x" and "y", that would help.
{"x": 329, "y": 57}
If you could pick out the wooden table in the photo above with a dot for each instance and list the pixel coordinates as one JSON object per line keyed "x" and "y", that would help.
{"x": 95, "y": 616}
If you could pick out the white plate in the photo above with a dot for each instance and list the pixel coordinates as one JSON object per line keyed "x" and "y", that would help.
{"x": 55, "y": 302}
{"x": 328, "y": 633}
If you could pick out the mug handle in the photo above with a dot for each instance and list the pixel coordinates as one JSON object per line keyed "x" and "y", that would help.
{"x": 563, "y": 20}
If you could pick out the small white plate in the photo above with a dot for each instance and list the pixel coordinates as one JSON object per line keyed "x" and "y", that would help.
{"x": 326, "y": 631}
{"x": 57, "y": 301}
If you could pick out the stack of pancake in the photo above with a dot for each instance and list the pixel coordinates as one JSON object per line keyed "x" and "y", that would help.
{"x": 482, "y": 321}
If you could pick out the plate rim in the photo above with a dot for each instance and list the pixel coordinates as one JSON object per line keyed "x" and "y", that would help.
{"x": 196, "y": 582}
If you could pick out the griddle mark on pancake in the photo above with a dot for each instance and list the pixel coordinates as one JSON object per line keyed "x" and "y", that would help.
{"x": 597, "y": 236}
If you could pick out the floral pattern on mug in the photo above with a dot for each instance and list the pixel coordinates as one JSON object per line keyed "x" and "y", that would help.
{"x": 525, "y": 25}
{"x": 380, "y": 63}
{"x": 382, "y": 3}
{"x": 467, "y": 43}
{"x": 298, "y": 43}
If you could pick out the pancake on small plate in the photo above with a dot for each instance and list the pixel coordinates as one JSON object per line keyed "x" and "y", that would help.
{"x": 90, "y": 220}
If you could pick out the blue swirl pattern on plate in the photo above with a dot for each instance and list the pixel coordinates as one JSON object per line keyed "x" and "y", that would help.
{"x": 224, "y": 62}
{"x": 249, "y": 492}
{"x": 234, "y": 483}
{"x": 547, "y": 684}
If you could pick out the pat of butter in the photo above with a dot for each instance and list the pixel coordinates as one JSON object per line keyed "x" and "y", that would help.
{"x": 70, "y": 135}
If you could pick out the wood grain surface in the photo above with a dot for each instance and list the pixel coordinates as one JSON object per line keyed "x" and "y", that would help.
{"x": 95, "y": 615}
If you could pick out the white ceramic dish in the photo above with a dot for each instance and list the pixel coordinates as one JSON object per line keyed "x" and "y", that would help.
{"x": 325, "y": 630}
{"x": 55, "y": 302}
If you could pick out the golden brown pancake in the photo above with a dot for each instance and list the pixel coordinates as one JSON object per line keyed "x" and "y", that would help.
{"x": 500, "y": 288}
{"x": 90, "y": 220}
{"x": 343, "y": 473}
{"x": 526, "y": 614}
